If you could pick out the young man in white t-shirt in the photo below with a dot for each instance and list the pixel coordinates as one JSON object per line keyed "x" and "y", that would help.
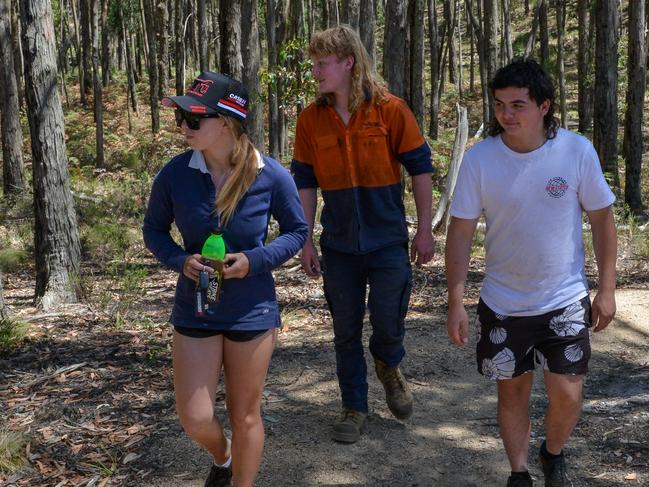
{"x": 532, "y": 181}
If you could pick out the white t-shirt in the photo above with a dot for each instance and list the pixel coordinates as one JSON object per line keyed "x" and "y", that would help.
{"x": 533, "y": 206}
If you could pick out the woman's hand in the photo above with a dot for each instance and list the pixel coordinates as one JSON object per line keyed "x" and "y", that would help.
{"x": 235, "y": 266}
{"x": 194, "y": 265}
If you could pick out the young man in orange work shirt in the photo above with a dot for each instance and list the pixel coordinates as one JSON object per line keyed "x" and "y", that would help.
{"x": 351, "y": 143}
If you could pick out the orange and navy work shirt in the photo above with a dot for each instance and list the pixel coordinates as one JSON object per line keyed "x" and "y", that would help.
{"x": 358, "y": 169}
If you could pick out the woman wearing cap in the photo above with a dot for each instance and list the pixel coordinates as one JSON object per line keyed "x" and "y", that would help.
{"x": 223, "y": 182}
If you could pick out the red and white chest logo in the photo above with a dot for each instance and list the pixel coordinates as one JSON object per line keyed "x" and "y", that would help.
{"x": 556, "y": 187}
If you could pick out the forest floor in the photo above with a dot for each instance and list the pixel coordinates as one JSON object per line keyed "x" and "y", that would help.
{"x": 93, "y": 396}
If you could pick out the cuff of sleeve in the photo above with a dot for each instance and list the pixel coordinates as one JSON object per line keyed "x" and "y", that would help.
{"x": 303, "y": 175}
{"x": 177, "y": 262}
{"x": 255, "y": 261}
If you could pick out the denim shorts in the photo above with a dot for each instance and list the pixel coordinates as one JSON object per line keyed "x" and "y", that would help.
{"x": 558, "y": 341}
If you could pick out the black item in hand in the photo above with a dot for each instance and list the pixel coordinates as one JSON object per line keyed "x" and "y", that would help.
{"x": 201, "y": 293}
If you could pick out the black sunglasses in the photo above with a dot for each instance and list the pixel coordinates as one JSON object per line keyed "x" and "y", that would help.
{"x": 193, "y": 119}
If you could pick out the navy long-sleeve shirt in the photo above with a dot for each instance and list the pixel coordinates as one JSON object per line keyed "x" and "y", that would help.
{"x": 183, "y": 192}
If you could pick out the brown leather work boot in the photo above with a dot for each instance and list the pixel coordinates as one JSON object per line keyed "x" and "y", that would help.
{"x": 397, "y": 391}
{"x": 350, "y": 426}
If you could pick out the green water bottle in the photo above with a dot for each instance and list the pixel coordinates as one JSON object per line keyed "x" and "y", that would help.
{"x": 208, "y": 290}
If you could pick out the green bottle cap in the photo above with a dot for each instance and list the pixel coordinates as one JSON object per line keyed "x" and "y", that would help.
{"x": 214, "y": 246}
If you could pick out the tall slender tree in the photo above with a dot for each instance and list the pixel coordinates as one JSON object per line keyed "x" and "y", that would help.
{"x": 368, "y": 26}
{"x": 202, "y": 36}
{"x": 636, "y": 69}
{"x": 544, "y": 48}
{"x": 416, "y": 14}
{"x": 56, "y": 236}
{"x": 394, "y": 61}
{"x": 273, "y": 109}
{"x": 154, "y": 96}
{"x": 561, "y": 74}
{"x": 605, "y": 113}
{"x": 490, "y": 41}
{"x": 351, "y": 13}
{"x": 230, "y": 28}
{"x": 98, "y": 109}
{"x": 251, "y": 62}
{"x": 86, "y": 44}
{"x": 584, "y": 64}
{"x": 12, "y": 138}
{"x": 179, "y": 12}
{"x": 162, "y": 36}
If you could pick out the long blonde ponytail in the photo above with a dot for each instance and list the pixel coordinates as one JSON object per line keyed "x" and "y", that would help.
{"x": 243, "y": 173}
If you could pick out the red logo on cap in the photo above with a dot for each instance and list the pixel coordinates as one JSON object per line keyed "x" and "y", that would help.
{"x": 198, "y": 109}
{"x": 200, "y": 87}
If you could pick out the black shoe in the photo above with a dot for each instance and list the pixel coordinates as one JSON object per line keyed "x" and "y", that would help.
{"x": 219, "y": 477}
{"x": 554, "y": 469}
{"x": 520, "y": 480}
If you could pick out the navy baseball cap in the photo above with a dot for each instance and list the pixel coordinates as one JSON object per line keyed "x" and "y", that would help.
{"x": 213, "y": 93}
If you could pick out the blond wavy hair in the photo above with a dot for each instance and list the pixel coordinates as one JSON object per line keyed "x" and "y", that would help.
{"x": 344, "y": 41}
{"x": 243, "y": 163}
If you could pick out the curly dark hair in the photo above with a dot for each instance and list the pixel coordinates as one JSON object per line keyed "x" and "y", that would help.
{"x": 527, "y": 73}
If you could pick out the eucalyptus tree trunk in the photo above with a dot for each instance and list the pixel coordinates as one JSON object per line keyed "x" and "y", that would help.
{"x": 472, "y": 49}
{"x": 86, "y": 44}
{"x": 251, "y": 63}
{"x": 334, "y": 13}
{"x": 416, "y": 91}
{"x": 561, "y": 22}
{"x": 96, "y": 83}
{"x": 351, "y": 13}
{"x": 230, "y": 28}
{"x": 273, "y": 114}
{"x": 584, "y": 64}
{"x": 130, "y": 68}
{"x": 508, "y": 53}
{"x": 449, "y": 19}
{"x": 56, "y": 236}
{"x": 482, "y": 64}
{"x": 394, "y": 60}
{"x": 636, "y": 69}
{"x": 367, "y": 27}
{"x": 202, "y": 37}
{"x": 434, "y": 41}
{"x": 154, "y": 96}
{"x": 79, "y": 54}
{"x": 490, "y": 46}
{"x": 13, "y": 171}
{"x": 544, "y": 48}
{"x": 180, "y": 47}
{"x": 3, "y": 310}
{"x": 605, "y": 113}
{"x": 105, "y": 44}
{"x": 19, "y": 65}
{"x": 162, "y": 36}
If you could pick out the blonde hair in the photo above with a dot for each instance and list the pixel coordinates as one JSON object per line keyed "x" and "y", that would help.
{"x": 344, "y": 41}
{"x": 243, "y": 171}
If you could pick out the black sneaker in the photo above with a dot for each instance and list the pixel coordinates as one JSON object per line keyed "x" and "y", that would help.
{"x": 520, "y": 480}
{"x": 219, "y": 477}
{"x": 554, "y": 470}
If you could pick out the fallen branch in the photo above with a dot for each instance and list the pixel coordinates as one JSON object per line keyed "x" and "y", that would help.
{"x": 461, "y": 134}
{"x": 62, "y": 370}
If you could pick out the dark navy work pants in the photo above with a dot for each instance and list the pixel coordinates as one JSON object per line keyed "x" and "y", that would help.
{"x": 346, "y": 278}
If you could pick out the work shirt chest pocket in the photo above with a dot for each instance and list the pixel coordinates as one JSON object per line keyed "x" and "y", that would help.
{"x": 330, "y": 167}
{"x": 375, "y": 166}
